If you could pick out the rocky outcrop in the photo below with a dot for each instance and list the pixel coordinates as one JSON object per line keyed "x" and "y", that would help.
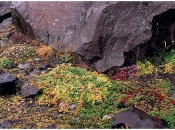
{"x": 119, "y": 28}
{"x": 102, "y": 32}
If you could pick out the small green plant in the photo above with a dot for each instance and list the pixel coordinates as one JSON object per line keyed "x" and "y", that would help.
{"x": 66, "y": 57}
{"x": 5, "y": 63}
{"x": 145, "y": 67}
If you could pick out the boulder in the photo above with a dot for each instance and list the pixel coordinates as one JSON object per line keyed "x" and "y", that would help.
{"x": 136, "y": 118}
{"x": 28, "y": 90}
{"x": 102, "y": 32}
{"x": 7, "y": 84}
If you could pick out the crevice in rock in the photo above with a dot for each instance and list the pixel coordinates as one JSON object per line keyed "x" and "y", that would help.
{"x": 23, "y": 26}
{"x": 8, "y": 15}
{"x": 163, "y": 35}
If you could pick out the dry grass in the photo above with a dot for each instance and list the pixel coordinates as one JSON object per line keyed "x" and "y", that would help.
{"x": 44, "y": 51}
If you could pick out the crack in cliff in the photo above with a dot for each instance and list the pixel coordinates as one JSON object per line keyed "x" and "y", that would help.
{"x": 163, "y": 35}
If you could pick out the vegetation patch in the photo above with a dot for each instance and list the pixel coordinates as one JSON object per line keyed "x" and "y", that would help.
{"x": 73, "y": 85}
{"x": 18, "y": 53}
{"x": 44, "y": 51}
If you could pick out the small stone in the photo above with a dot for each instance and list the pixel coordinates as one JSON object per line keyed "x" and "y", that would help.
{"x": 23, "y": 72}
{"x": 106, "y": 117}
{"x": 6, "y": 123}
{"x": 35, "y": 71}
{"x": 59, "y": 61}
{"x": 55, "y": 113}
{"x": 44, "y": 66}
{"x": 72, "y": 107}
{"x": 25, "y": 66}
{"x": 52, "y": 126}
{"x": 37, "y": 59}
{"x": 2, "y": 43}
{"x": 28, "y": 90}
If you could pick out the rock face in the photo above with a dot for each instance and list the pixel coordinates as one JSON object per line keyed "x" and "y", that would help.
{"x": 7, "y": 84}
{"x": 102, "y": 32}
{"x": 136, "y": 118}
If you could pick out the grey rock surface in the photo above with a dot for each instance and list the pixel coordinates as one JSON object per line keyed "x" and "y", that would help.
{"x": 5, "y": 8}
{"x": 7, "y": 22}
{"x": 28, "y": 90}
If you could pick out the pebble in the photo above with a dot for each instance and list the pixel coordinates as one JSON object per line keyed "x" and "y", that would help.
{"x": 106, "y": 117}
{"x": 37, "y": 59}
{"x": 72, "y": 107}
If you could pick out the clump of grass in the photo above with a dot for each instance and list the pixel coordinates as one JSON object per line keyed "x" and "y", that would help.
{"x": 5, "y": 63}
{"x": 145, "y": 67}
{"x": 44, "y": 51}
{"x": 18, "y": 53}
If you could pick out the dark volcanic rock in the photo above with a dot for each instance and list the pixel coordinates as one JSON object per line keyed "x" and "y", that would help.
{"x": 136, "y": 118}
{"x": 102, "y": 32}
{"x": 7, "y": 84}
{"x": 28, "y": 90}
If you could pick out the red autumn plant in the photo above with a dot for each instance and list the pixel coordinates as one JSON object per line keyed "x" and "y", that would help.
{"x": 18, "y": 38}
{"x": 124, "y": 73}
